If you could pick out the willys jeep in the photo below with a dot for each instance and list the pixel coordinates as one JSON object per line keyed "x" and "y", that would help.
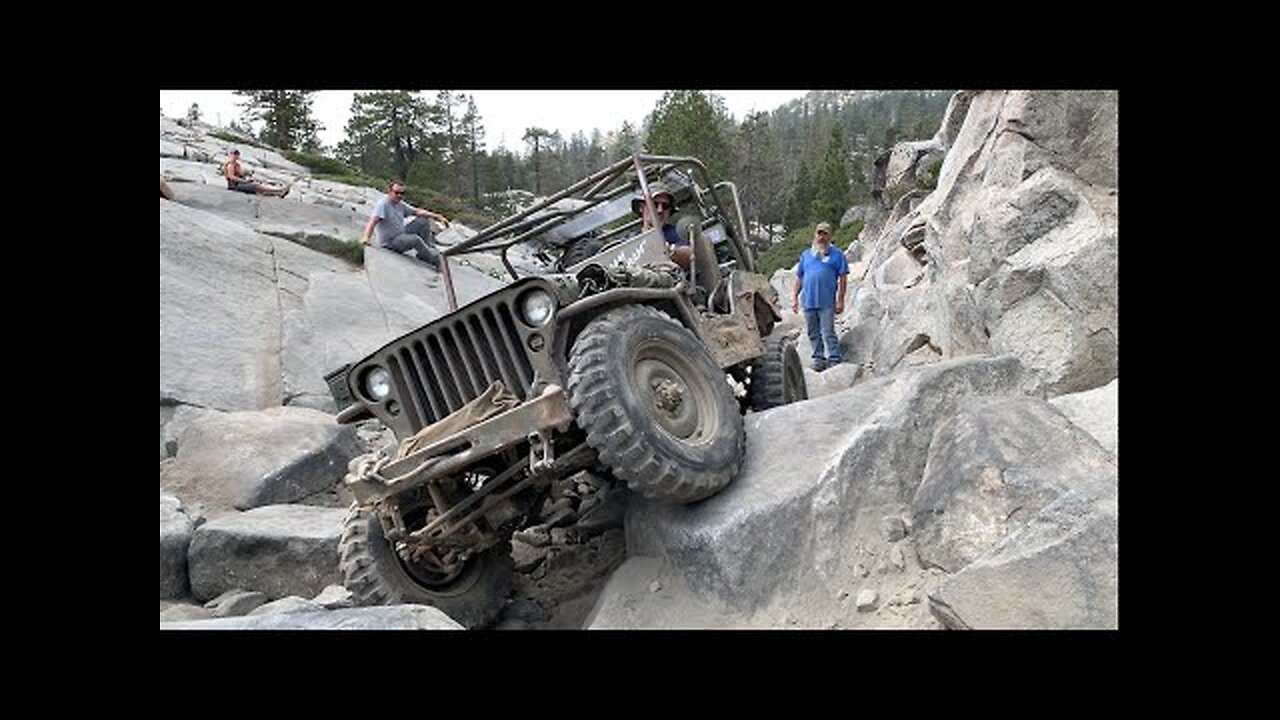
{"x": 621, "y": 361}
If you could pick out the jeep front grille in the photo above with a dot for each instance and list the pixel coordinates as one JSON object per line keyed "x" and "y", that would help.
{"x": 443, "y": 367}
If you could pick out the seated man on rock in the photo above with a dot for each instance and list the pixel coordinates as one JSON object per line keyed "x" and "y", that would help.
{"x": 238, "y": 179}
{"x": 392, "y": 232}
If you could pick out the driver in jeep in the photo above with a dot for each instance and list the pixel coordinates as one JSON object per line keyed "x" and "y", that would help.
{"x": 664, "y": 204}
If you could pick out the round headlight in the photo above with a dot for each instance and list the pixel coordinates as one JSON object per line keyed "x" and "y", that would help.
{"x": 536, "y": 307}
{"x": 377, "y": 383}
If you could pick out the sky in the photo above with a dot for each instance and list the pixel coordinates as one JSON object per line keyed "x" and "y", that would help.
{"x": 504, "y": 113}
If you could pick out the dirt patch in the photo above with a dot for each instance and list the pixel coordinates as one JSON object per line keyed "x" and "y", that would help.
{"x": 563, "y": 562}
{"x": 876, "y": 582}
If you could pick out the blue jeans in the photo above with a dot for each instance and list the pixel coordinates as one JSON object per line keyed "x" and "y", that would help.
{"x": 417, "y": 236}
{"x": 822, "y": 329}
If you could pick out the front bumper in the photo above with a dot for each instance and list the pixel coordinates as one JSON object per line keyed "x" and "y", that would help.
{"x": 371, "y": 482}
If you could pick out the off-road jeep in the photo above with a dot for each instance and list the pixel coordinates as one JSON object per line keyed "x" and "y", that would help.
{"x": 624, "y": 362}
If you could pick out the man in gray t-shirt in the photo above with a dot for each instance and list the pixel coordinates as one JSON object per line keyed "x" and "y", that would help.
{"x": 392, "y": 233}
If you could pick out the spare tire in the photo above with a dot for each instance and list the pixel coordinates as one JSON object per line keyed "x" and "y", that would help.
{"x": 580, "y": 250}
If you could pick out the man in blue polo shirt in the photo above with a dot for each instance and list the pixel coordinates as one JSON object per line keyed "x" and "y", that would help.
{"x": 820, "y": 281}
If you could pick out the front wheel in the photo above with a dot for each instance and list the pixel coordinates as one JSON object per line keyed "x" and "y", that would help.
{"x": 373, "y": 572}
{"x": 655, "y": 405}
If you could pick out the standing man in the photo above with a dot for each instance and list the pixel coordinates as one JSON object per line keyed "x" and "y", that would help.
{"x": 388, "y": 219}
{"x": 821, "y": 276}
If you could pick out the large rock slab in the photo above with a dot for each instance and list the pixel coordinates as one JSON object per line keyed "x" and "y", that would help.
{"x": 991, "y": 467}
{"x": 386, "y": 617}
{"x": 409, "y": 292}
{"x": 834, "y": 379}
{"x": 175, "y": 536}
{"x": 219, "y": 313}
{"x": 280, "y": 217}
{"x": 174, "y": 420}
{"x": 1097, "y": 411}
{"x": 1016, "y": 251}
{"x": 342, "y": 318}
{"x": 176, "y": 611}
{"x": 180, "y": 172}
{"x": 198, "y": 144}
{"x": 248, "y": 321}
{"x": 340, "y": 321}
{"x": 1060, "y": 571}
{"x": 248, "y": 459}
{"x": 413, "y": 294}
{"x": 354, "y": 198}
{"x": 789, "y": 511}
{"x": 278, "y": 550}
{"x": 302, "y": 366}
{"x": 1051, "y": 294}
{"x": 905, "y": 159}
{"x": 171, "y": 149}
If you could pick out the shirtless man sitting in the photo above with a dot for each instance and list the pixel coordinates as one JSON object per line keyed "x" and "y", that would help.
{"x": 238, "y": 179}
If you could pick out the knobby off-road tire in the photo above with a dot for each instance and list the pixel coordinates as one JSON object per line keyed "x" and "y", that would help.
{"x": 375, "y": 574}
{"x": 777, "y": 377}
{"x": 655, "y": 405}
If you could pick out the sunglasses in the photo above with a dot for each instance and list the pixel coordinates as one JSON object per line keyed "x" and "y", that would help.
{"x": 397, "y": 192}
{"x": 661, "y": 204}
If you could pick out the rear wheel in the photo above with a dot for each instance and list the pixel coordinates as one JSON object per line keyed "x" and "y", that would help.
{"x": 777, "y": 377}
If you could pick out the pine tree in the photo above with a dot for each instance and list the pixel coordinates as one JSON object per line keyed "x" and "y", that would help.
{"x": 595, "y": 152}
{"x": 389, "y": 132}
{"x": 475, "y": 143}
{"x": 453, "y": 108}
{"x": 759, "y": 172}
{"x": 537, "y": 137}
{"x": 801, "y": 205}
{"x": 193, "y": 113}
{"x": 624, "y": 142}
{"x": 831, "y": 191}
{"x": 688, "y": 122}
{"x": 285, "y": 115}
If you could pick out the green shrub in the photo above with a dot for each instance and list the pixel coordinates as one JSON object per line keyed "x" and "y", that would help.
{"x": 931, "y": 173}
{"x": 320, "y": 163}
{"x": 845, "y": 236}
{"x": 352, "y": 252}
{"x": 355, "y": 178}
{"x": 420, "y": 197}
{"x": 434, "y": 201}
{"x": 786, "y": 253}
{"x": 237, "y": 139}
{"x": 450, "y": 207}
{"x": 478, "y": 220}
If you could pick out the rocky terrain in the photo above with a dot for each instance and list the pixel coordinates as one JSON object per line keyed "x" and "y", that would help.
{"x": 960, "y": 470}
